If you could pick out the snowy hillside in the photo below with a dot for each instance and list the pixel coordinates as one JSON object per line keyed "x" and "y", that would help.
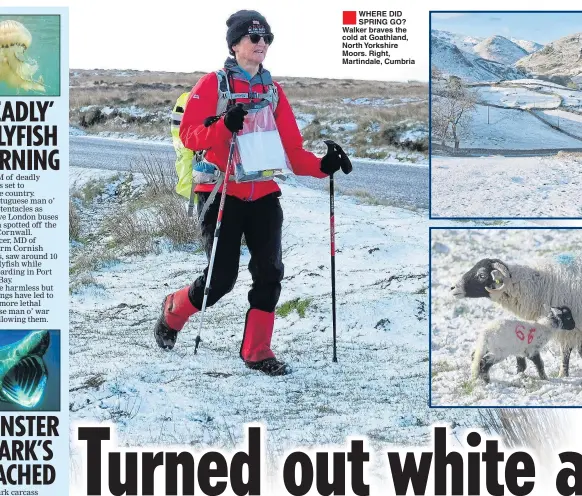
{"x": 562, "y": 57}
{"x": 500, "y": 49}
{"x": 503, "y": 129}
{"x": 450, "y": 60}
{"x": 568, "y": 121}
{"x": 528, "y": 46}
{"x": 475, "y": 59}
{"x": 456, "y": 323}
{"x": 461, "y": 41}
{"x": 378, "y": 388}
{"x": 499, "y": 186}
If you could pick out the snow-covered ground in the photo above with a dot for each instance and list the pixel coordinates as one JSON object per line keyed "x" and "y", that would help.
{"x": 537, "y": 82}
{"x": 507, "y": 186}
{"x": 527, "y": 95}
{"x": 512, "y": 129}
{"x": 456, "y": 323}
{"x": 568, "y": 121}
{"x": 516, "y": 97}
{"x": 378, "y": 388}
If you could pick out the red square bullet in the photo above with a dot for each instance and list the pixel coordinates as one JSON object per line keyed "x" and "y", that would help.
{"x": 350, "y": 17}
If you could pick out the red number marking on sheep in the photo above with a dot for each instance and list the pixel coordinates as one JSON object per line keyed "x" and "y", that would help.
{"x": 530, "y": 336}
{"x": 519, "y": 332}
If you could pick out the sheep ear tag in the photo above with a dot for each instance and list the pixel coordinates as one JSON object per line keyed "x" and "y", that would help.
{"x": 497, "y": 281}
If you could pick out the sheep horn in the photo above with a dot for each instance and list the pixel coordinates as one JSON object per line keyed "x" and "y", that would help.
{"x": 501, "y": 267}
{"x": 496, "y": 274}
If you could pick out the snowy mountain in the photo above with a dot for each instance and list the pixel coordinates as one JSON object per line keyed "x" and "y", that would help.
{"x": 461, "y": 41}
{"x": 528, "y": 46}
{"x": 449, "y": 59}
{"x": 562, "y": 57}
{"x": 499, "y": 49}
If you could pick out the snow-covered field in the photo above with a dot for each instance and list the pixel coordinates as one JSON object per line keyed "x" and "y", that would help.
{"x": 502, "y": 129}
{"x": 507, "y": 186}
{"x": 456, "y": 323}
{"x": 568, "y": 121}
{"x": 378, "y": 388}
{"x": 516, "y": 97}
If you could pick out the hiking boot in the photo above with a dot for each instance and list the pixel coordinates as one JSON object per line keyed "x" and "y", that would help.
{"x": 270, "y": 366}
{"x": 176, "y": 310}
{"x": 165, "y": 336}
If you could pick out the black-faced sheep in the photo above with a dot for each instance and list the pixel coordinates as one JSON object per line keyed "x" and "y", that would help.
{"x": 528, "y": 292}
{"x": 504, "y": 338}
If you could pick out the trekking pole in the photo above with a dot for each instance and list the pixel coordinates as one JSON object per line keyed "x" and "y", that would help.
{"x": 332, "y": 239}
{"x": 216, "y": 234}
{"x": 346, "y": 167}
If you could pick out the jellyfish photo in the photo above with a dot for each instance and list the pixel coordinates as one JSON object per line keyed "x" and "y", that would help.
{"x": 16, "y": 68}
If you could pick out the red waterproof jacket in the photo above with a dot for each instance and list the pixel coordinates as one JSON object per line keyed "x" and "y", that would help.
{"x": 216, "y": 138}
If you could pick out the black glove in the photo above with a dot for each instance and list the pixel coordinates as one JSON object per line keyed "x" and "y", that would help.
{"x": 335, "y": 159}
{"x": 234, "y": 117}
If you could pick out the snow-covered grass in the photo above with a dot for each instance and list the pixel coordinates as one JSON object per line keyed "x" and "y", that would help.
{"x": 568, "y": 121}
{"x": 514, "y": 130}
{"x": 516, "y": 97}
{"x": 456, "y": 323}
{"x": 537, "y": 82}
{"x": 382, "y": 102}
{"x": 507, "y": 186}
{"x": 109, "y": 104}
{"x": 378, "y": 388}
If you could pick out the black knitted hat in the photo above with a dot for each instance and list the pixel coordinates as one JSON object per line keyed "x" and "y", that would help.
{"x": 242, "y": 23}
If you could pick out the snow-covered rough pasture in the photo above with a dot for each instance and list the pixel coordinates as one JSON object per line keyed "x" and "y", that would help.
{"x": 457, "y": 323}
{"x": 568, "y": 121}
{"x": 537, "y": 82}
{"x": 569, "y": 97}
{"x": 516, "y": 97}
{"x": 378, "y": 388}
{"x": 513, "y": 130}
{"x": 507, "y": 186}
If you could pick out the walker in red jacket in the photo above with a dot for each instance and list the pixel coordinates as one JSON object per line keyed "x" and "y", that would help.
{"x": 251, "y": 208}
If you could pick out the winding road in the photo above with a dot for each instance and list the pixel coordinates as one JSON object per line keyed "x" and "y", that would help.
{"x": 395, "y": 184}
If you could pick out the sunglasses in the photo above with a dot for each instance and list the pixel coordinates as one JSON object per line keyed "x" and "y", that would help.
{"x": 255, "y": 38}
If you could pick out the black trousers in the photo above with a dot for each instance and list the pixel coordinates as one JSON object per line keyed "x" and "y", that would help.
{"x": 261, "y": 222}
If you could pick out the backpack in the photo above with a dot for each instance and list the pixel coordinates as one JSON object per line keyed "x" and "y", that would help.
{"x": 191, "y": 167}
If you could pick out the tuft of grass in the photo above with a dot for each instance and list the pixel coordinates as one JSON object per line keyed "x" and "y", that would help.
{"x": 159, "y": 173}
{"x": 74, "y": 222}
{"x": 298, "y": 304}
{"x": 136, "y": 226}
{"x": 467, "y": 387}
{"x": 441, "y": 367}
{"x": 91, "y": 190}
{"x": 173, "y": 222}
{"x": 525, "y": 427}
{"x": 89, "y": 261}
{"x": 131, "y": 230}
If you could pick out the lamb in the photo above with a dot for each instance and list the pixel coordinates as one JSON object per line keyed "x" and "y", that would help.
{"x": 527, "y": 292}
{"x": 502, "y": 339}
